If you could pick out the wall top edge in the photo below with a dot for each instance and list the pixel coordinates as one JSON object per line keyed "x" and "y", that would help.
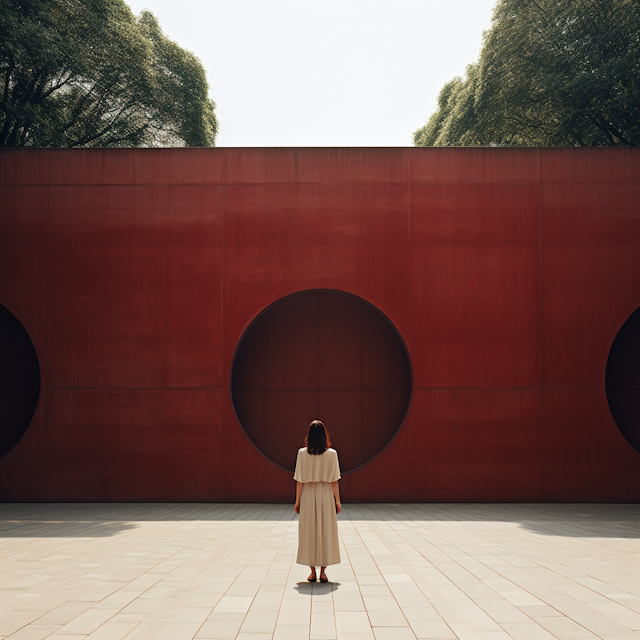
{"x": 320, "y": 165}
{"x": 408, "y": 149}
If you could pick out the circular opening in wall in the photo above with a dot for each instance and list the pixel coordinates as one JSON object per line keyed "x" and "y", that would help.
{"x": 622, "y": 380}
{"x": 324, "y": 355}
{"x": 19, "y": 380}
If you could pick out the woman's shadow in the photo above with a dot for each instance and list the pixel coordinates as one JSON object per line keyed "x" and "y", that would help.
{"x": 316, "y": 588}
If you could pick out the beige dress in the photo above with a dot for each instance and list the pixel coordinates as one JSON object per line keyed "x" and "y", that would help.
{"x": 318, "y": 527}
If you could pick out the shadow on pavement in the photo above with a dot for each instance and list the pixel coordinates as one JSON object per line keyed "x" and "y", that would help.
{"x": 107, "y": 519}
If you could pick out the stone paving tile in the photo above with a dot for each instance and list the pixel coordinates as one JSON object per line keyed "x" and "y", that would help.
{"x": 348, "y": 601}
{"x": 566, "y": 629}
{"x": 619, "y": 613}
{"x": 432, "y": 629}
{"x": 13, "y": 621}
{"x": 387, "y": 618}
{"x": 88, "y": 621}
{"x": 296, "y": 604}
{"x": 64, "y": 613}
{"x": 34, "y": 632}
{"x": 539, "y": 611}
{"x": 177, "y": 631}
{"x": 359, "y": 635}
{"x": 112, "y": 631}
{"x": 323, "y": 626}
{"x": 605, "y": 627}
{"x": 419, "y": 571}
{"x": 267, "y": 600}
{"x": 293, "y": 617}
{"x": 393, "y": 633}
{"x": 502, "y": 611}
{"x": 525, "y": 631}
{"x": 191, "y": 614}
{"x": 325, "y": 606}
{"x": 348, "y": 622}
{"x": 233, "y": 604}
{"x": 259, "y": 622}
{"x": 291, "y": 632}
{"x": 221, "y": 625}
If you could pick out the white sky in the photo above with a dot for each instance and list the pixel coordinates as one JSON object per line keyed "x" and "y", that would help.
{"x": 320, "y": 73}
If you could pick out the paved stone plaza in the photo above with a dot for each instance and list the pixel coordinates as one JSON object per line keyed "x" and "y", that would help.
{"x": 180, "y": 571}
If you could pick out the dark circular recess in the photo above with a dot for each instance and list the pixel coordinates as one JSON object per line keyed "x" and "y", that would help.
{"x": 622, "y": 380}
{"x": 19, "y": 380}
{"x": 324, "y": 355}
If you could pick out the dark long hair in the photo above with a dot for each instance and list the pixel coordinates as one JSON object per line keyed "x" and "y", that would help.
{"x": 317, "y": 440}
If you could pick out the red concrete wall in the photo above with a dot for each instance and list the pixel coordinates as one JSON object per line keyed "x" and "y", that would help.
{"x": 508, "y": 273}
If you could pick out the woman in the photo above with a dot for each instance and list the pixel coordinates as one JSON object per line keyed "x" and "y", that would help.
{"x": 317, "y": 501}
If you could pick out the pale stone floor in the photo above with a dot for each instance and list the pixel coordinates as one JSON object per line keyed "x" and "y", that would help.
{"x": 181, "y": 571}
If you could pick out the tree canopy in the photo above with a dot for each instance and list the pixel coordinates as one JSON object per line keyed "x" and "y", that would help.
{"x": 550, "y": 73}
{"x": 87, "y": 73}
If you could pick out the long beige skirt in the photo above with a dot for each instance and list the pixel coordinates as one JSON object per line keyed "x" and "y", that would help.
{"x": 318, "y": 544}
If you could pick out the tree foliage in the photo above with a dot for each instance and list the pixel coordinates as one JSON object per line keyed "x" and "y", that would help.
{"x": 87, "y": 73}
{"x": 550, "y": 73}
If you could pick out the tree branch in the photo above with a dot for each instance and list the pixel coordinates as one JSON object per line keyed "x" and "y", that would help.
{"x": 7, "y": 80}
{"x": 88, "y": 139}
{"x": 54, "y": 88}
{"x": 610, "y": 131}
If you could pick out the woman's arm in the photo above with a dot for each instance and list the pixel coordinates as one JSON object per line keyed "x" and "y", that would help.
{"x": 298, "y": 492}
{"x": 336, "y": 495}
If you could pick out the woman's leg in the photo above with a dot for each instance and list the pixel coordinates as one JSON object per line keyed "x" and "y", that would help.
{"x": 312, "y": 576}
{"x": 323, "y": 575}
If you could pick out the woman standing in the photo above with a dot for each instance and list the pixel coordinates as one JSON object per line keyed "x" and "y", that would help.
{"x": 317, "y": 501}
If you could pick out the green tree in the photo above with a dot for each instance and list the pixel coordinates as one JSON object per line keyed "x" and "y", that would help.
{"x": 550, "y": 73}
{"x": 87, "y": 73}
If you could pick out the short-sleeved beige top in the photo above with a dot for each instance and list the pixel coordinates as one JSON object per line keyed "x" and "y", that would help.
{"x": 319, "y": 468}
